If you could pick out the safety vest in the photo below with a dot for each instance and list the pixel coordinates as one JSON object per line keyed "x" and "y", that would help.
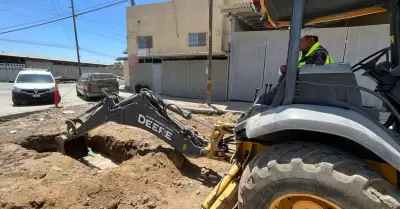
{"x": 314, "y": 48}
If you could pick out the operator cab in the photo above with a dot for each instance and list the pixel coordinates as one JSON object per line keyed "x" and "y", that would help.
{"x": 334, "y": 84}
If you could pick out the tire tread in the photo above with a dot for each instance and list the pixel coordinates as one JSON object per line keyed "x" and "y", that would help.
{"x": 316, "y": 158}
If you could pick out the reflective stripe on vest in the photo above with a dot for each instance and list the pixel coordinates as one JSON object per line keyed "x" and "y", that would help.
{"x": 328, "y": 60}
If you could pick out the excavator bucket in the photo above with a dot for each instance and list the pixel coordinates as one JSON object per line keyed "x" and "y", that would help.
{"x": 75, "y": 147}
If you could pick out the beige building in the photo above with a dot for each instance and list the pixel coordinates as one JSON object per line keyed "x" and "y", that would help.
{"x": 168, "y": 45}
{"x": 178, "y": 26}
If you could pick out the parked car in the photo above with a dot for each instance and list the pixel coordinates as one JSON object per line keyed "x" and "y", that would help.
{"x": 93, "y": 84}
{"x": 33, "y": 85}
{"x": 65, "y": 79}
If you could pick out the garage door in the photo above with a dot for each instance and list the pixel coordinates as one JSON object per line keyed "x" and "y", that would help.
{"x": 247, "y": 64}
{"x": 176, "y": 78}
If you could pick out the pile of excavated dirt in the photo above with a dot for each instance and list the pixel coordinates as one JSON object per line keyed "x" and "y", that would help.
{"x": 150, "y": 174}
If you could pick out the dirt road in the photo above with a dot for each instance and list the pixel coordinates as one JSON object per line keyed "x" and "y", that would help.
{"x": 148, "y": 173}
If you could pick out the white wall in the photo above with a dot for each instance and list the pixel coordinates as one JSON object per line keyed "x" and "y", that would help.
{"x": 68, "y": 70}
{"x": 362, "y": 42}
{"x": 9, "y": 71}
{"x": 348, "y": 45}
{"x": 182, "y": 78}
{"x": 247, "y": 64}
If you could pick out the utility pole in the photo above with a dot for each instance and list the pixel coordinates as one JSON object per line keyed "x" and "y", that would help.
{"x": 76, "y": 38}
{"x": 210, "y": 31}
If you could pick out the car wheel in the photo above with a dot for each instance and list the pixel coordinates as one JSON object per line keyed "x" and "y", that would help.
{"x": 16, "y": 102}
{"x": 77, "y": 93}
{"x": 85, "y": 96}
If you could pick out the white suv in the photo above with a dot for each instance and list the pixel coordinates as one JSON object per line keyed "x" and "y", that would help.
{"x": 33, "y": 85}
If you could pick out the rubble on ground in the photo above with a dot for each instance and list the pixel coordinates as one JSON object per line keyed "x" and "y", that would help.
{"x": 149, "y": 173}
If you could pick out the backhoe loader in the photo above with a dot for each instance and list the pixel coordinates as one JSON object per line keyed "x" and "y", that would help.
{"x": 314, "y": 147}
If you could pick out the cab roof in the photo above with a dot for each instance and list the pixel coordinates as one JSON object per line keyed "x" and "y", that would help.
{"x": 281, "y": 10}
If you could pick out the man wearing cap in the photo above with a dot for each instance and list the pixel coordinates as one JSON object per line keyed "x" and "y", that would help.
{"x": 312, "y": 53}
{"x": 311, "y": 50}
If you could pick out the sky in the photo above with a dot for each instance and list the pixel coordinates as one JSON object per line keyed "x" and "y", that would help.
{"x": 101, "y": 34}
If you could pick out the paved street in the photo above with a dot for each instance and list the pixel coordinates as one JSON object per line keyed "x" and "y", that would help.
{"x": 67, "y": 92}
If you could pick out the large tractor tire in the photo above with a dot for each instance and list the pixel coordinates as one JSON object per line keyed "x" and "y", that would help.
{"x": 313, "y": 176}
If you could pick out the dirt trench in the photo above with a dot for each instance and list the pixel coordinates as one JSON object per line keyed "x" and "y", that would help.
{"x": 148, "y": 173}
{"x": 115, "y": 150}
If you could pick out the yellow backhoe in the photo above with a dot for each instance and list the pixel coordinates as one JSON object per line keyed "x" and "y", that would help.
{"x": 315, "y": 146}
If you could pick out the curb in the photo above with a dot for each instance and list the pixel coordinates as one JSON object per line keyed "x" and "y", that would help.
{"x": 19, "y": 115}
{"x": 207, "y": 111}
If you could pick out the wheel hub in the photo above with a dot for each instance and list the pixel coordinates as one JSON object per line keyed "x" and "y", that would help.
{"x": 302, "y": 201}
{"x": 306, "y": 205}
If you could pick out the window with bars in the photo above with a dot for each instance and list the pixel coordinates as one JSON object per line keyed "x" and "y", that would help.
{"x": 197, "y": 39}
{"x": 145, "y": 42}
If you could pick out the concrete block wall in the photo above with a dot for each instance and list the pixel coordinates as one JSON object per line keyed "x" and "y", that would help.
{"x": 68, "y": 70}
{"x": 9, "y": 71}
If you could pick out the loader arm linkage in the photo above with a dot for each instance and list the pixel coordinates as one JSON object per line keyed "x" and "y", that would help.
{"x": 148, "y": 111}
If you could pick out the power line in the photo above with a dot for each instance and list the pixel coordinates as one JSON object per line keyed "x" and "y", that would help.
{"x": 119, "y": 24}
{"x": 98, "y": 53}
{"x": 109, "y": 37}
{"x": 63, "y": 18}
{"x": 15, "y": 13}
{"x": 57, "y": 8}
{"x": 38, "y": 43}
{"x": 57, "y": 46}
{"x": 103, "y": 7}
{"x": 30, "y": 6}
{"x": 98, "y": 5}
{"x": 32, "y": 26}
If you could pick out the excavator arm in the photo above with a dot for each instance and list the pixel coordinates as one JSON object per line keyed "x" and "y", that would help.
{"x": 148, "y": 111}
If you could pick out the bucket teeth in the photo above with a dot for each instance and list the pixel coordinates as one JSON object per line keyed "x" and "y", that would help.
{"x": 75, "y": 147}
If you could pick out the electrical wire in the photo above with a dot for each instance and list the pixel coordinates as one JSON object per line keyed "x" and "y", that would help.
{"x": 63, "y": 18}
{"x": 117, "y": 39}
{"x": 15, "y": 13}
{"x": 38, "y": 43}
{"x": 57, "y": 8}
{"x": 30, "y": 6}
{"x": 98, "y": 53}
{"x": 58, "y": 46}
{"x": 102, "y": 22}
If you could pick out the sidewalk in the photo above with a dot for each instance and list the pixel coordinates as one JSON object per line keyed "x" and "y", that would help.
{"x": 197, "y": 105}
{"x": 200, "y": 106}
